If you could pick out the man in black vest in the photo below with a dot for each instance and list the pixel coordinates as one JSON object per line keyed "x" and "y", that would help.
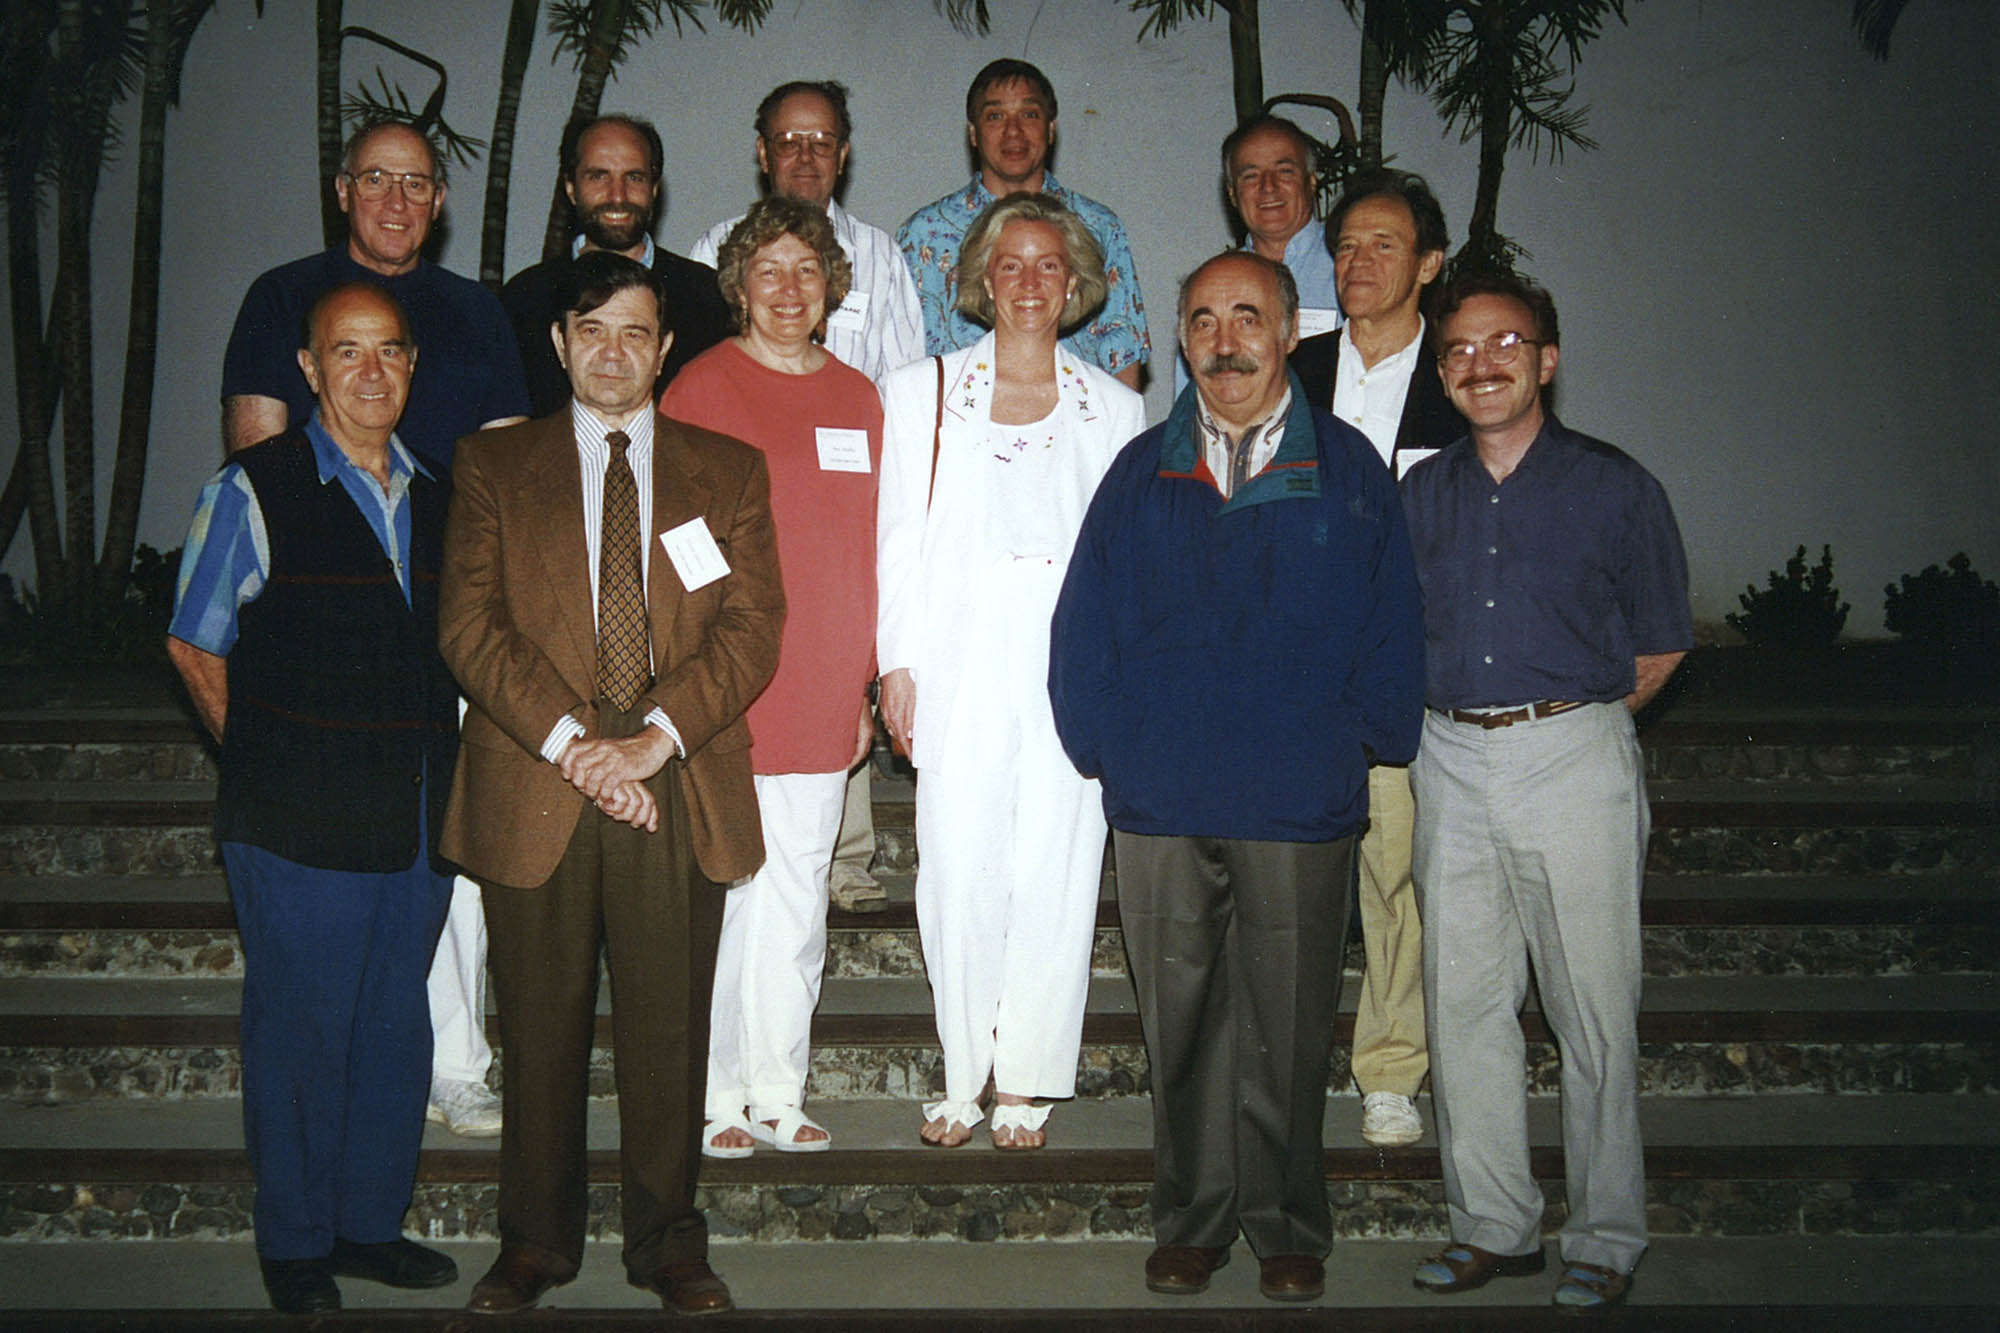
{"x": 306, "y": 630}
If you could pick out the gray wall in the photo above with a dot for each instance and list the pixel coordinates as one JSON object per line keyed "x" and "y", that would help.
{"x": 1775, "y": 274}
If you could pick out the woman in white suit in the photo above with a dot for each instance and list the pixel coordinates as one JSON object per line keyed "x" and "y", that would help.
{"x": 990, "y": 456}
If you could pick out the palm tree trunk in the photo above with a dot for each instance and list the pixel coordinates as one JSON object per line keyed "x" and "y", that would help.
{"x": 82, "y": 158}
{"x": 607, "y": 26}
{"x": 166, "y": 46}
{"x": 1246, "y": 58}
{"x": 1374, "y": 86}
{"x": 1496, "y": 121}
{"x": 30, "y": 482}
{"x": 332, "y": 224}
{"x": 500, "y": 153}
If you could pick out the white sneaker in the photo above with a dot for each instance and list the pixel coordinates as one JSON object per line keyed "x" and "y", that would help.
{"x": 1390, "y": 1120}
{"x": 469, "y": 1110}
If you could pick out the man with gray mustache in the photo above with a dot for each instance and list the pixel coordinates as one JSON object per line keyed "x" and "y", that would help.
{"x": 1238, "y": 637}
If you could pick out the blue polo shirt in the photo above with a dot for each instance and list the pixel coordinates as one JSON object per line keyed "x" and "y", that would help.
{"x": 1548, "y": 584}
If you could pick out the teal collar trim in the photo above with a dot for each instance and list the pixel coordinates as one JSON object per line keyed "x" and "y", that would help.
{"x": 1294, "y": 470}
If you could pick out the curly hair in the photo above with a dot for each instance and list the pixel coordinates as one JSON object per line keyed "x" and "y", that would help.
{"x": 1086, "y": 256}
{"x": 767, "y": 220}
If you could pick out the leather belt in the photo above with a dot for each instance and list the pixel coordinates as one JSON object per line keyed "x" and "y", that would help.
{"x": 1507, "y": 717}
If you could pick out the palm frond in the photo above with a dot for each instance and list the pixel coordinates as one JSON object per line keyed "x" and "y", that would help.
{"x": 1875, "y": 22}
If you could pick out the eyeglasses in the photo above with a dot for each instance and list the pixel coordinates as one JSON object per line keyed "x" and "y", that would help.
{"x": 798, "y": 143}
{"x": 373, "y": 185}
{"x": 1500, "y": 348}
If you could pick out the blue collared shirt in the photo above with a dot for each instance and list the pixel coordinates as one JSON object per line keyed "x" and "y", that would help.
{"x": 227, "y": 557}
{"x": 1112, "y": 339}
{"x": 1548, "y": 584}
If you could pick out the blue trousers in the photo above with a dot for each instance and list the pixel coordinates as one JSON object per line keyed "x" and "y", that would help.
{"x": 336, "y": 1044}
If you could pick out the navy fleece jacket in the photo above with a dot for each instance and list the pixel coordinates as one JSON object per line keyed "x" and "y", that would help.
{"x": 1229, "y": 668}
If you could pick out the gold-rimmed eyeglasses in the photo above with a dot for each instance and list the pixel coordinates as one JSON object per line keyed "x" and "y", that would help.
{"x": 797, "y": 143}
{"x": 1500, "y": 349}
{"x": 374, "y": 184}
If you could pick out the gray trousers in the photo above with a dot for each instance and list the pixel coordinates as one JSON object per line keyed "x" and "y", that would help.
{"x": 1236, "y": 954}
{"x": 1530, "y": 842}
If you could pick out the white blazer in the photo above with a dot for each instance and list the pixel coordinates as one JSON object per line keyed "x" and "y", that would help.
{"x": 924, "y": 577}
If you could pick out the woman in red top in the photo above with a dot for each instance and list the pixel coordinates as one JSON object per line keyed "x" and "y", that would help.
{"x": 819, "y": 424}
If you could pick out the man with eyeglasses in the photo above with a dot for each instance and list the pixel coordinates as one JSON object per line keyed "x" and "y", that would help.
{"x": 392, "y": 187}
{"x": 1555, "y": 607}
{"x": 612, "y": 169}
{"x": 802, "y": 143}
{"x": 803, "y": 133}
{"x": 1386, "y": 241}
{"x": 1010, "y": 121}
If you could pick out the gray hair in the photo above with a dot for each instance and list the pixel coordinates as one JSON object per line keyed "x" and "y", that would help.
{"x": 1288, "y": 287}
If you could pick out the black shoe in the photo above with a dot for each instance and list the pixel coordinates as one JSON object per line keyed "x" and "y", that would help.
{"x": 299, "y": 1286}
{"x": 394, "y": 1263}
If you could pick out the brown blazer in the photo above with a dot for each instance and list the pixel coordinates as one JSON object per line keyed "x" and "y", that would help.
{"x": 517, "y": 627}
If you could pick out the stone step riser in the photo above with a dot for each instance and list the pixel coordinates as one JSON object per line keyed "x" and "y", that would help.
{"x": 1666, "y": 758}
{"x": 54, "y": 850}
{"x": 1406, "y": 1209}
{"x": 1858, "y": 765}
{"x": 1669, "y": 951}
{"x": 1681, "y": 1069}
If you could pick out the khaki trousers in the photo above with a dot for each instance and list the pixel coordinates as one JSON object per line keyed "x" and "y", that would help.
{"x": 1389, "y": 1050}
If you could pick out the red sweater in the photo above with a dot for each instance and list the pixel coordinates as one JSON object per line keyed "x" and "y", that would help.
{"x": 804, "y": 720}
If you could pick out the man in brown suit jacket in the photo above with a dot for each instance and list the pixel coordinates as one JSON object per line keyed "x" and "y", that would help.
{"x": 603, "y": 793}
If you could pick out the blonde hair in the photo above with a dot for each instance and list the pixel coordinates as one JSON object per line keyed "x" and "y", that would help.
{"x": 1086, "y": 256}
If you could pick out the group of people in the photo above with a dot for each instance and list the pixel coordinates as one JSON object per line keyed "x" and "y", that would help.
{"x": 814, "y": 480}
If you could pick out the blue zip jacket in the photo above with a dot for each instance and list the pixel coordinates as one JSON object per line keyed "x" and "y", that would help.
{"x": 1229, "y": 668}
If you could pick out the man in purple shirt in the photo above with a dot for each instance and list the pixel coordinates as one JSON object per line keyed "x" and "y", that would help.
{"x": 1555, "y": 607}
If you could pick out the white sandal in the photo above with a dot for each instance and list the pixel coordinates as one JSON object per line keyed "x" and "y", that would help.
{"x": 720, "y": 1125}
{"x": 954, "y": 1114}
{"x": 1015, "y": 1120}
{"x": 784, "y": 1136}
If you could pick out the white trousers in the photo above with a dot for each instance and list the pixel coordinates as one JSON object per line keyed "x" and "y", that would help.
{"x": 1010, "y": 856}
{"x": 457, "y": 984}
{"x": 773, "y": 951}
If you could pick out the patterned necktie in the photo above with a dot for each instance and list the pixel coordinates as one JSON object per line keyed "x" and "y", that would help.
{"x": 624, "y": 657}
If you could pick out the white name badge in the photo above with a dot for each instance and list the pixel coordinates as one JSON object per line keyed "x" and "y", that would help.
{"x": 1314, "y": 320}
{"x": 842, "y": 449}
{"x": 1409, "y": 458}
{"x": 852, "y": 316}
{"x": 697, "y": 559}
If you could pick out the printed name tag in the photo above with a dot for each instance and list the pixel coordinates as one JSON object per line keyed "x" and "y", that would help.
{"x": 1313, "y": 320}
{"x": 842, "y": 449}
{"x": 852, "y": 315}
{"x": 1409, "y": 458}
{"x": 697, "y": 559}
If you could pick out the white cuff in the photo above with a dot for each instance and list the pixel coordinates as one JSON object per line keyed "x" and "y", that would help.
{"x": 658, "y": 718}
{"x": 566, "y": 729}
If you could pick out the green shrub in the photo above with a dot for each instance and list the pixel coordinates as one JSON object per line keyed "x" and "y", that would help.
{"x": 1955, "y": 610}
{"x": 1801, "y": 608}
{"x": 58, "y": 632}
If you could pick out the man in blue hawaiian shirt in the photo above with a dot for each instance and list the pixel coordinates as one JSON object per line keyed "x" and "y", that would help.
{"x": 1010, "y": 115}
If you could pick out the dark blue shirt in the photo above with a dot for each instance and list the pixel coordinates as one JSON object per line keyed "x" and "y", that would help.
{"x": 468, "y": 368}
{"x": 1546, "y": 585}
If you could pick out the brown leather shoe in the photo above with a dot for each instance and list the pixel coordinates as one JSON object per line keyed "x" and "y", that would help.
{"x": 1292, "y": 1277}
{"x": 515, "y": 1282}
{"x": 688, "y": 1286}
{"x": 1183, "y": 1270}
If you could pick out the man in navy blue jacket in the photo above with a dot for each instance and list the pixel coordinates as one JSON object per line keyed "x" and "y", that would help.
{"x": 1238, "y": 636}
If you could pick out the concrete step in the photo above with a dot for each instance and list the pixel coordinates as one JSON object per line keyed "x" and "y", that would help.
{"x": 168, "y": 926}
{"x": 1824, "y": 1164}
{"x": 69, "y": 1039}
{"x": 1826, "y": 1283}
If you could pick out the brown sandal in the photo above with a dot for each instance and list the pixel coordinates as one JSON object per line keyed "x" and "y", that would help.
{"x": 1467, "y": 1268}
